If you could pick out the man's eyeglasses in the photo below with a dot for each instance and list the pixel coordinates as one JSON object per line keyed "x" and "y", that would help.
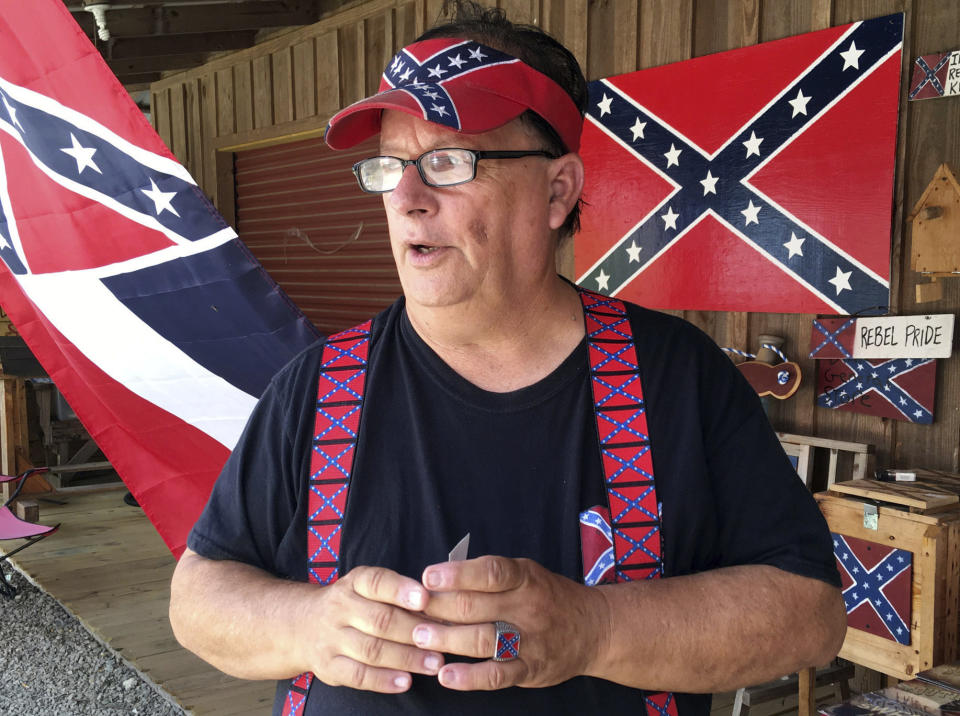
{"x": 438, "y": 167}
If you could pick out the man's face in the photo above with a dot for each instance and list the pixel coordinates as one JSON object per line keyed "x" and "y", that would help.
{"x": 479, "y": 242}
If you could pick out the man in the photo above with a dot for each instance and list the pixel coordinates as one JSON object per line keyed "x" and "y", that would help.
{"x": 480, "y": 415}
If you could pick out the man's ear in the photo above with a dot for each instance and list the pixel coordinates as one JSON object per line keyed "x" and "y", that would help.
{"x": 566, "y": 184}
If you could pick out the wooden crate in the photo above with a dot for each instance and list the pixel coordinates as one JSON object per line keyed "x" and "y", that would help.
{"x": 927, "y": 524}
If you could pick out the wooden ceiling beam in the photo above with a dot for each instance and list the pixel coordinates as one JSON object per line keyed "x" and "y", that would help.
{"x": 139, "y": 80}
{"x": 162, "y": 63}
{"x": 175, "y": 20}
{"x": 120, "y": 48}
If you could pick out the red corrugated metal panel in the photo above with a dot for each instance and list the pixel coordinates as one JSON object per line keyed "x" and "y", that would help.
{"x": 301, "y": 213}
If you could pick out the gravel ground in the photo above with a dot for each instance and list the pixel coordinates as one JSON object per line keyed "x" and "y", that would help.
{"x": 50, "y": 665}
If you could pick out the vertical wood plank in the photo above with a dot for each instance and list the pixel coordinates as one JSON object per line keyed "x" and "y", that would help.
{"x": 178, "y": 125}
{"x": 8, "y": 427}
{"x": 744, "y": 23}
{"x": 161, "y": 115}
{"x": 281, "y": 65}
{"x": 404, "y": 26}
{"x": 243, "y": 95}
{"x": 612, "y": 38}
{"x": 666, "y": 32}
{"x": 328, "y": 76}
{"x": 352, "y": 79}
{"x": 208, "y": 119}
{"x": 23, "y": 437}
{"x": 225, "y": 115}
{"x": 304, "y": 79}
{"x": 626, "y": 37}
{"x": 262, "y": 92}
{"x": 806, "y": 683}
{"x": 601, "y": 30}
{"x": 779, "y": 20}
{"x": 575, "y": 30}
{"x": 194, "y": 129}
{"x": 710, "y": 27}
{"x": 375, "y": 51}
{"x": 226, "y": 187}
{"x": 154, "y": 99}
{"x": 821, "y": 12}
{"x": 420, "y": 17}
{"x": 432, "y": 12}
{"x": 521, "y": 11}
{"x": 550, "y": 16}
{"x": 725, "y": 24}
{"x": 389, "y": 41}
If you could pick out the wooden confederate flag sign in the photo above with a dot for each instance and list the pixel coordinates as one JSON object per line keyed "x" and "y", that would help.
{"x": 759, "y": 179}
{"x": 935, "y": 75}
{"x": 876, "y": 582}
{"x": 898, "y": 388}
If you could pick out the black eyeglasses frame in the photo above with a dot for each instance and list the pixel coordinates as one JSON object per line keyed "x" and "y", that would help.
{"x": 477, "y": 156}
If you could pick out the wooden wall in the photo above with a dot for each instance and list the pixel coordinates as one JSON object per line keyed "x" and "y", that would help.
{"x": 287, "y": 87}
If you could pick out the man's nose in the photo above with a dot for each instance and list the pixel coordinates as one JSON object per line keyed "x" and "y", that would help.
{"x": 411, "y": 193}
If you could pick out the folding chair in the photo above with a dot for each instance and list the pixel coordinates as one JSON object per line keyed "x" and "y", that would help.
{"x": 12, "y": 527}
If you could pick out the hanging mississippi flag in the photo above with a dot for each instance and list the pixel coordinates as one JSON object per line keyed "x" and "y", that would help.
{"x": 759, "y": 179}
{"x": 876, "y": 582}
{"x": 899, "y": 388}
{"x": 153, "y": 320}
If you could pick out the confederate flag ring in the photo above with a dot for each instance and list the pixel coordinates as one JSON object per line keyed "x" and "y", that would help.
{"x": 508, "y": 642}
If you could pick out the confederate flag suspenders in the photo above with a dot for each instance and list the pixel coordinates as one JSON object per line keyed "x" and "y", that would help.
{"x": 633, "y": 513}
{"x": 343, "y": 375}
{"x": 631, "y": 522}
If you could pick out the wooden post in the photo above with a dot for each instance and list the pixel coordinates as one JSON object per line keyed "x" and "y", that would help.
{"x": 28, "y": 510}
{"x": 8, "y": 427}
{"x": 807, "y": 705}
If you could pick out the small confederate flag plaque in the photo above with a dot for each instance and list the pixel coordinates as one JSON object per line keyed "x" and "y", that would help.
{"x": 936, "y": 75}
{"x": 876, "y": 582}
{"x": 899, "y": 388}
{"x": 758, "y": 179}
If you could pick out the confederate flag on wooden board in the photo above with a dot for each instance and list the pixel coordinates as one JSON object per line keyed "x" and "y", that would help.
{"x": 759, "y": 179}
{"x": 876, "y": 582}
{"x": 899, "y": 388}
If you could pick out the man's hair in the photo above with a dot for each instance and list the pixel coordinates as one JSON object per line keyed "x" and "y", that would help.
{"x": 528, "y": 43}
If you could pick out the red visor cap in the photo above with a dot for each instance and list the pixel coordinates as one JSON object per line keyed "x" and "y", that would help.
{"x": 461, "y": 85}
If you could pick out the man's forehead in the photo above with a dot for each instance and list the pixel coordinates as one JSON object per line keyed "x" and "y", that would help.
{"x": 402, "y": 132}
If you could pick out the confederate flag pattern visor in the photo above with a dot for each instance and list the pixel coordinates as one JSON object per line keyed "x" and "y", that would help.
{"x": 462, "y": 85}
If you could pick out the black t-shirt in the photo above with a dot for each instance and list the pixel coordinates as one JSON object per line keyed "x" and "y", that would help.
{"x": 438, "y": 458}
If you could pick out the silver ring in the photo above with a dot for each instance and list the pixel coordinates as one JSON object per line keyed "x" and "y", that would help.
{"x": 507, "y": 646}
